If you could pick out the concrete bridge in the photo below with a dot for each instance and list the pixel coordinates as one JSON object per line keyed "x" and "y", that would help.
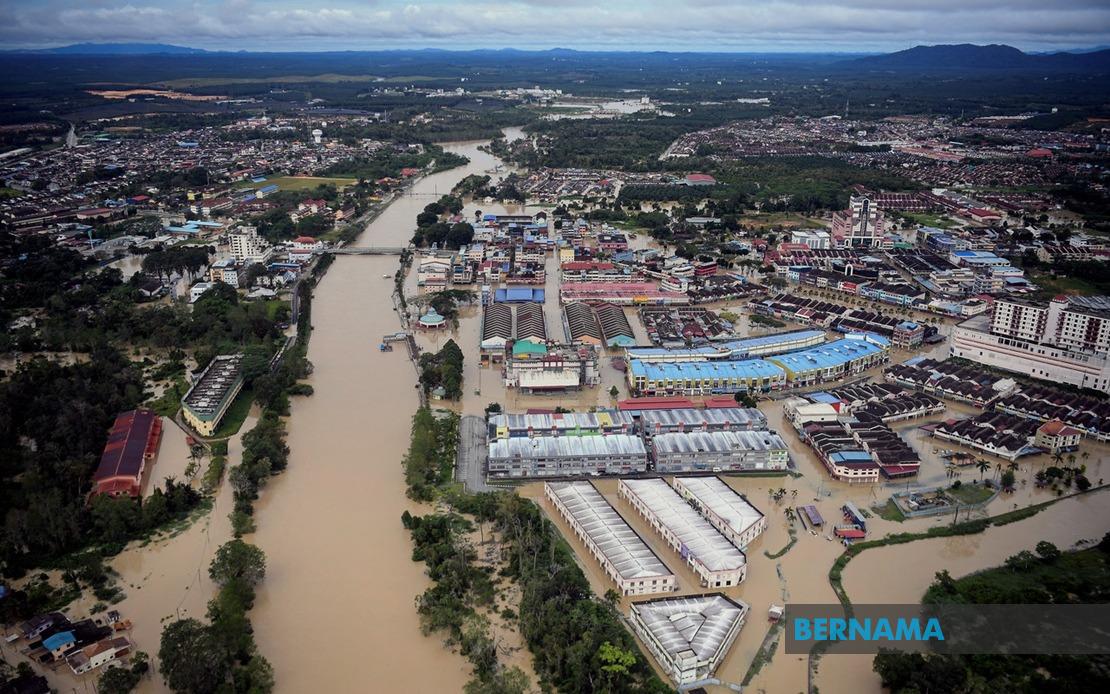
{"x": 352, "y": 250}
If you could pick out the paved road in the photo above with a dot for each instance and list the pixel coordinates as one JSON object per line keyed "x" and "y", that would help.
{"x": 470, "y": 467}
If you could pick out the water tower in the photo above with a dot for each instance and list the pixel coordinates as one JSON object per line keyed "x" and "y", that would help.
{"x": 317, "y": 135}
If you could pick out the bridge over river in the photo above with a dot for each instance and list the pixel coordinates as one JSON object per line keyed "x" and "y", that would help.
{"x": 352, "y": 250}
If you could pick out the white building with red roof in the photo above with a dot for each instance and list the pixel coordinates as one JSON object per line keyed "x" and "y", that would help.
{"x": 1055, "y": 436}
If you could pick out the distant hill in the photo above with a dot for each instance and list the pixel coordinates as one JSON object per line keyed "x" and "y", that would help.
{"x": 117, "y": 49}
{"x": 967, "y": 56}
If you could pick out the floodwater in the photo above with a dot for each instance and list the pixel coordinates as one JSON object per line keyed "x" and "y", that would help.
{"x": 902, "y": 573}
{"x": 340, "y": 582}
{"x": 168, "y": 578}
{"x": 173, "y": 459}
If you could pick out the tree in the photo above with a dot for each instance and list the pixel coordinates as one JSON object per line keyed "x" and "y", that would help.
{"x": 193, "y": 660}
{"x": 615, "y": 660}
{"x": 237, "y": 560}
{"x": 982, "y": 465}
{"x": 744, "y": 398}
{"x": 117, "y": 680}
{"x": 1047, "y": 551}
{"x": 614, "y": 392}
{"x": 1007, "y": 480}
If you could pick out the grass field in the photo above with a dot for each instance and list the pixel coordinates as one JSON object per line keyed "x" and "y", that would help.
{"x": 8, "y": 193}
{"x": 971, "y": 493}
{"x": 275, "y": 305}
{"x": 303, "y": 182}
{"x": 1065, "y": 285}
{"x": 236, "y": 414}
{"x": 929, "y": 220}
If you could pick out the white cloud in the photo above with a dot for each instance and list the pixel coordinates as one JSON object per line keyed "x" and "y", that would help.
{"x": 616, "y": 24}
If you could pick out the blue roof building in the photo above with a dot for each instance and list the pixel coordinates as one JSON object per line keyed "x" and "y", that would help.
{"x": 694, "y": 378}
{"x": 60, "y": 641}
{"x": 855, "y": 353}
{"x": 734, "y": 349}
{"x": 518, "y": 295}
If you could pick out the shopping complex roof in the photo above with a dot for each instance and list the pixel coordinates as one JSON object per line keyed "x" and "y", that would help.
{"x": 703, "y": 542}
{"x": 744, "y": 370}
{"x": 733, "y": 417}
{"x": 609, "y": 532}
{"x": 723, "y": 500}
{"x": 717, "y": 441}
{"x": 567, "y": 446}
{"x": 749, "y": 343}
{"x": 829, "y": 356}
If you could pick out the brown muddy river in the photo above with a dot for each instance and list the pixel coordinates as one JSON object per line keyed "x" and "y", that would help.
{"x": 336, "y": 611}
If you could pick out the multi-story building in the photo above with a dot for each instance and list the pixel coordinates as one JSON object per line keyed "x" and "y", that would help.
{"x": 704, "y": 378}
{"x": 247, "y": 246}
{"x": 226, "y": 271}
{"x": 208, "y": 400}
{"x": 862, "y": 225}
{"x": 1062, "y": 341}
{"x": 708, "y": 553}
{"x": 814, "y": 239}
{"x": 717, "y": 451}
{"x": 433, "y": 272}
{"x": 622, "y": 553}
{"x": 566, "y": 456}
{"x": 547, "y": 368}
{"x": 729, "y": 511}
{"x": 688, "y": 635}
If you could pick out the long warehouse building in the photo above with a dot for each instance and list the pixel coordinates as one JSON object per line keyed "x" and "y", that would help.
{"x": 729, "y": 512}
{"x": 609, "y": 421}
{"x": 208, "y": 400}
{"x": 625, "y": 557}
{"x": 733, "y": 350}
{"x": 718, "y": 451}
{"x": 566, "y": 456}
{"x": 715, "y": 560}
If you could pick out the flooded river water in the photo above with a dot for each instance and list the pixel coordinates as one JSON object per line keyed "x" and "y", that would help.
{"x": 336, "y": 611}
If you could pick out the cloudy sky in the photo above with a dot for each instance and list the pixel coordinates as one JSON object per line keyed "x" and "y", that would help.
{"x": 706, "y": 25}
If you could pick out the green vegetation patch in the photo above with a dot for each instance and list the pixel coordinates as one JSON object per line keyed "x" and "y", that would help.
{"x": 970, "y": 493}
{"x": 236, "y": 414}
{"x": 301, "y": 183}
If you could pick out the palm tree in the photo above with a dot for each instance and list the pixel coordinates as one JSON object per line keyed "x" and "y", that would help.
{"x": 1085, "y": 455}
{"x": 983, "y": 465}
{"x": 1058, "y": 458}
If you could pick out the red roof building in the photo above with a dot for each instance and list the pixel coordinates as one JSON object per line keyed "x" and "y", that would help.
{"x": 1039, "y": 153}
{"x": 721, "y": 402}
{"x": 132, "y": 446}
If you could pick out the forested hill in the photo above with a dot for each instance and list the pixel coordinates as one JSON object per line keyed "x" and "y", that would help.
{"x": 970, "y": 57}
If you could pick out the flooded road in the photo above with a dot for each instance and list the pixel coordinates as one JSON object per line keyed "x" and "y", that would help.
{"x": 340, "y": 583}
